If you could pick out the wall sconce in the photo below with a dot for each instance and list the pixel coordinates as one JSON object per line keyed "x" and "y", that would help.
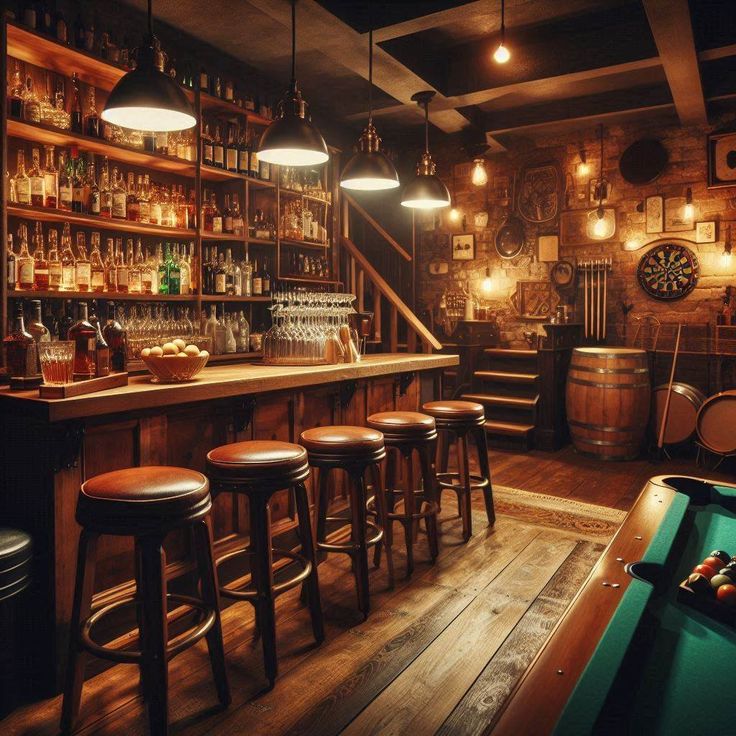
{"x": 688, "y": 211}
{"x": 601, "y": 223}
{"x": 726, "y": 256}
{"x": 486, "y": 285}
{"x": 479, "y": 176}
{"x": 583, "y": 169}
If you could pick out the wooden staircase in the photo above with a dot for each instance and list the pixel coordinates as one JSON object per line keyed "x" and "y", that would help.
{"x": 508, "y": 387}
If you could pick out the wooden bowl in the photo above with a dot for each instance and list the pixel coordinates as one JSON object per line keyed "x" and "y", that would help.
{"x": 173, "y": 369}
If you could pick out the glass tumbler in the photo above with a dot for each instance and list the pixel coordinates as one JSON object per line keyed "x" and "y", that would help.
{"x": 57, "y": 362}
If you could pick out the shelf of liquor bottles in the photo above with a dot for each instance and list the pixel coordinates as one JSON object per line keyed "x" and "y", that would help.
{"x": 112, "y": 296}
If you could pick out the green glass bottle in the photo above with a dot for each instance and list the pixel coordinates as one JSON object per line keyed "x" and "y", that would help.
{"x": 174, "y": 271}
{"x": 163, "y": 272}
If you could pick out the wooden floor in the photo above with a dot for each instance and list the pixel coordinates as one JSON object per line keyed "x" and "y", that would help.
{"x": 437, "y": 655}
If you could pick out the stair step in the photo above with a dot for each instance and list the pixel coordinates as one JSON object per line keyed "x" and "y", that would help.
{"x": 510, "y": 353}
{"x": 505, "y": 377}
{"x": 510, "y": 429}
{"x": 509, "y": 401}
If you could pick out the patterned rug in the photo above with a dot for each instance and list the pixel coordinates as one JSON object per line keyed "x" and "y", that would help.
{"x": 598, "y": 523}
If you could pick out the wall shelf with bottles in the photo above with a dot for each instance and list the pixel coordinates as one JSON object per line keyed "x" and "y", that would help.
{"x": 217, "y": 298}
{"x": 308, "y": 280}
{"x": 304, "y": 244}
{"x": 107, "y": 296}
{"x": 308, "y": 197}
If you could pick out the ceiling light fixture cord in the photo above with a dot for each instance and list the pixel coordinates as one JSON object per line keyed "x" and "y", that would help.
{"x": 426, "y": 126}
{"x": 503, "y": 21}
{"x": 150, "y": 18}
{"x": 600, "y": 183}
{"x": 370, "y": 76}
{"x": 293, "y": 41}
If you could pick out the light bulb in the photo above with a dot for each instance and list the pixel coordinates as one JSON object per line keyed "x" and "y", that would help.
{"x": 600, "y": 228}
{"x": 480, "y": 175}
{"x": 454, "y": 214}
{"x": 501, "y": 55}
{"x": 583, "y": 168}
{"x": 689, "y": 211}
{"x": 487, "y": 285}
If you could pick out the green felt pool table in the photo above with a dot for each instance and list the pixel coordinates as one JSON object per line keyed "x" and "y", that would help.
{"x": 629, "y": 656}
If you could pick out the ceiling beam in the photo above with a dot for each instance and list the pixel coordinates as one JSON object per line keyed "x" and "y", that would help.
{"x": 673, "y": 34}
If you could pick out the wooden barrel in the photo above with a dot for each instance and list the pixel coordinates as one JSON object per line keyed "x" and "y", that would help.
{"x": 608, "y": 401}
{"x": 716, "y": 423}
{"x": 685, "y": 403}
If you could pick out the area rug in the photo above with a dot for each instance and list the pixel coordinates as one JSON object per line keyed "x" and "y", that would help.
{"x": 598, "y": 523}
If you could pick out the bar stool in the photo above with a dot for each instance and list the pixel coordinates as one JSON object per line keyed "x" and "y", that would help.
{"x": 145, "y": 503}
{"x": 407, "y": 432}
{"x": 355, "y": 450}
{"x": 257, "y": 469}
{"x": 463, "y": 418}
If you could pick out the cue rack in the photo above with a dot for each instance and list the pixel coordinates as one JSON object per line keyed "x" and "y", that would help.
{"x": 593, "y": 277}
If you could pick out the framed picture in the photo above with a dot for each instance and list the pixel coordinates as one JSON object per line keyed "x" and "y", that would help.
{"x": 463, "y": 247}
{"x": 674, "y": 218}
{"x": 534, "y": 299}
{"x": 721, "y": 160}
{"x": 539, "y": 192}
{"x": 548, "y": 247}
{"x": 654, "y": 209}
{"x": 706, "y": 232}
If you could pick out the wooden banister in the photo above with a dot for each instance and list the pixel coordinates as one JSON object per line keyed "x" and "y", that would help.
{"x": 377, "y": 227}
{"x": 397, "y": 305}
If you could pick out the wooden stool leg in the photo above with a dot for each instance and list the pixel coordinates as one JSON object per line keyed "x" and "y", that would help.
{"x": 390, "y": 486}
{"x": 323, "y": 500}
{"x": 441, "y": 460}
{"x": 83, "y": 590}
{"x": 464, "y": 493}
{"x": 157, "y": 633}
{"x": 430, "y": 493}
{"x": 384, "y": 522}
{"x": 358, "y": 530}
{"x": 260, "y": 531}
{"x": 312, "y": 583}
{"x": 210, "y": 597}
{"x": 481, "y": 443}
{"x": 408, "y": 521}
{"x": 140, "y": 618}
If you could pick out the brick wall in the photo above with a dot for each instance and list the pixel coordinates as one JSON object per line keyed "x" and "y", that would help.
{"x": 687, "y": 167}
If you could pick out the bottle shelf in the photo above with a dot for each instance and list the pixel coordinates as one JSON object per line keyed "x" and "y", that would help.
{"x": 215, "y": 173}
{"x": 310, "y": 197}
{"x": 210, "y": 103}
{"x": 217, "y": 298}
{"x": 108, "y": 296}
{"x": 46, "y": 214}
{"x": 224, "y": 237}
{"x": 304, "y": 243}
{"x": 45, "y": 134}
{"x": 308, "y": 280}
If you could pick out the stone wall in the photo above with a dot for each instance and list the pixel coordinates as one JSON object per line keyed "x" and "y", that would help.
{"x": 687, "y": 167}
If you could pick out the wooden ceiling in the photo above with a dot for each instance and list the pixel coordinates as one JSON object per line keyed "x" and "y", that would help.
{"x": 573, "y": 62}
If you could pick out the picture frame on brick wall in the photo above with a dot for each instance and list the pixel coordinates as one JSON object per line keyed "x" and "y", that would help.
{"x": 654, "y": 209}
{"x": 463, "y": 247}
{"x": 674, "y": 216}
{"x": 706, "y": 232}
{"x": 722, "y": 160}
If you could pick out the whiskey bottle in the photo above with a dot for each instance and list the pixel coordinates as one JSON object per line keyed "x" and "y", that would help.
{"x": 92, "y": 124}
{"x": 216, "y": 216}
{"x": 50, "y": 179}
{"x": 40, "y": 264}
{"x": 266, "y": 279}
{"x": 218, "y": 149}
{"x": 208, "y": 157}
{"x": 22, "y": 182}
{"x": 119, "y": 196}
{"x": 76, "y": 110}
{"x": 16, "y": 94}
{"x": 84, "y": 336}
{"x": 220, "y": 276}
{"x": 36, "y": 178}
{"x": 132, "y": 206}
{"x": 238, "y": 225}
{"x": 163, "y": 270}
{"x": 54, "y": 261}
{"x": 38, "y": 330}
{"x": 147, "y": 274}
{"x": 242, "y": 154}
{"x": 227, "y": 217}
{"x": 105, "y": 190}
{"x": 144, "y": 205}
{"x": 66, "y": 320}
{"x": 65, "y": 181}
{"x": 68, "y": 261}
{"x": 121, "y": 268}
{"x": 20, "y": 347}
{"x": 257, "y": 280}
{"x": 79, "y": 202}
{"x": 231, "y": 153}
{"x": 102, "y": 352}
{"x": 135, "y": 268}
{"x": 247, "y": 277}
{"x": 116, "y": 339}
{"x": 185, "y": 273}
{"x": 83, "y": 268}
{"x": 11, "y": 272}
{"x": 229, "y": 273}
{"x": 26, "y": 264}
{"x": 97, "y": 266}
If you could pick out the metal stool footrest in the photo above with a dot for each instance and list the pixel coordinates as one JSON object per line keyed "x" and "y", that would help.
{"x": 349, "y": 547}
{"x": 278, "y": 588}
{"x": 444, "y": 480}
{"x": 133, "y": 656}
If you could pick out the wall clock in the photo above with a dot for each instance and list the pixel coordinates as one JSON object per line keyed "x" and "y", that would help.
{"x": 668, "y": 271}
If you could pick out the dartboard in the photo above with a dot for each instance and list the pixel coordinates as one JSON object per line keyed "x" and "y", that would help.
{"x": 668, "y": 271}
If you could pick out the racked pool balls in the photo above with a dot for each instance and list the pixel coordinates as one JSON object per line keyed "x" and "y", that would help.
{"x": 699, "y": 584}
{"x": 729, "y": 572}
{"x": 705, "y": 570}
{"x": 714, "y": 562}
{"x": 717, "y": 580}
{"x": 727, "y": 594}
{"x": 721, "y": 555}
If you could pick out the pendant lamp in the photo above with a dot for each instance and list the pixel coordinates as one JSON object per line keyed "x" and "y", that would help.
{"x": 426, "y": 190}
{"x": 601, "y": 223}
{"x": 146, "y": 98}
{"x": 291, "y": 139}
{"x": 369, "y": 169}
{"x": 501, "y": 55}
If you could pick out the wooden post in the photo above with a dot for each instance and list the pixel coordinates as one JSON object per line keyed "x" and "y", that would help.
{"x": 394, "y": 331}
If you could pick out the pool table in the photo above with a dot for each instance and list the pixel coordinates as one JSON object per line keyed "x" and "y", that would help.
{"x": 628, "y": 656}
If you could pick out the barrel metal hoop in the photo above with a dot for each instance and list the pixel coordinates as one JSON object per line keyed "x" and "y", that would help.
{"x": 618, "y": 371}
{"x": 602, "y": 443}
{"x": 595, "y": 384}
{"x": 601, "y": 427}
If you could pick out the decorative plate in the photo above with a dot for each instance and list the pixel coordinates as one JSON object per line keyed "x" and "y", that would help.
{"x": 668, "y": 271}
{"x": 643, "y": 161}
{"x": 562, "y": 274}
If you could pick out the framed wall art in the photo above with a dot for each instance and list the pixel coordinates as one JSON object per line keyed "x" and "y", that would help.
{"x": 548, "y": 247}
{"x": 463, "y": 247}
{"x": 706, "y": 232}
{"x": 654, "y": 210}
{"x": 539, "y": 193}
{"x": 722, "y": 160}
{"x": 674, "y": 217}
{"x": 534, "y": 299}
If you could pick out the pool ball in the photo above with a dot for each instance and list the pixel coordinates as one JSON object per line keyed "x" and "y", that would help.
{"x": 699, "y": 584}
{"x": 729, "y": 572}
{"x": 717, "y": 580}
{"x": 721, "y": 555}
{"x": 715, "y": 562}
{"x": 731, "y": 564}
{"x": 727, "y": 594}
{"x": 706, "y": 570}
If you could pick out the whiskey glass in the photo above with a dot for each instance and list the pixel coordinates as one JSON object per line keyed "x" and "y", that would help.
{"x": 57, "y": 362}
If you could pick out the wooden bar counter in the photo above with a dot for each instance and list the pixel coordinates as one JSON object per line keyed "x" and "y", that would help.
{"x": 51, "y": 446}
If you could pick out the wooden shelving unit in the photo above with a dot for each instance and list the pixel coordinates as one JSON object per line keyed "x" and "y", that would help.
{"x": 32, "y": 48}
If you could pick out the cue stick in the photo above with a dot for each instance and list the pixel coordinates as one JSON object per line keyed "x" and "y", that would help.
{"x": 605, "y": 294}
{"x": 666, "y": 412}
{"x": 585, "y": 293}
{"x": 598, "y": 300}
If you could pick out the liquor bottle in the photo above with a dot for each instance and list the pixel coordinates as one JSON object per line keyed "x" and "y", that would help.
{"x": 22, "y": 182}
{"x": 79, "y": 202}
{"x": 144, "y": 205}
{"x": 207, "y": 150}
{"x": 253, "y": 159}
{"x": 92, "y": 124}
{"x": 257, "y": 280}
{"x": 65, "y": 182}
{"x": 53, "y": 261}
{"x": 38, "y": 330}
{"x": 243, "y": 340}
{"x": 247, "y": 277}
{"x": 102, "y": 352}
{"x": 95, "y": 196}
{"x": 132, "y": 206}
{"x": 121, "y": 268}
{"x": 237, "y": 280}
{"x": 105, "y": 190}
{"x": 147, "y": 277}
{"x": 231, "y": 153}
{"x": 111, "y": 282}
{"x": 31, "y": 103}
{"x": 266, "y": 279}
{"x": 11, "y": 273}
{"x": 216, "y": 87}
{"x": 154, "y": 205}
{"x": 238, "y": 224}
{"x": 76, "y": 109}
{"x": 84, "y": 337}
{"x": 16, "y": 94}
{"x": 218, "y": 149}
{"x": 174, "y": 271}
{"x": 40, "y": 264}
{"x": 229, "y": 273}
{"x": 185, "y": 272}
{"x": 206, "y": 272}
{"x": 242, "y": 154}
{"x": 119, "y": 196}
{"x": 230, "y": 344}
{"x": 50, "y": 179}
{"x": 227, "y": 217}
{"x": 66, "y": 320}
{"x": 116, "y": 339}
{"x": 83, "y": 268}
{"x": 220, "y": 276}
{"x": 26, "y": 264}
{"x": 229, "y": 91}
{"x": 135, "y": 271}
{"x": 219, "y": 332}
{"x": 20, "y": 347}
{"x": 36, "y": 179}
{"x": 68, "y": 261}
{"x": 97, "y": 265}
{"x": 216, "y": 215}
{"x": 163, "y": 271}
{"x": 204, "y": 80}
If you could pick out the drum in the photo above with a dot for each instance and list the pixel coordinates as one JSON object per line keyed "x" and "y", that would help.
{"x": 716, "y": 423}
{"x": 608, "y": 401}
{"x": 685, "y": 402}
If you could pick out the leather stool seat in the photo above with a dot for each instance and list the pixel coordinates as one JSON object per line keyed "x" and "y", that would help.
{"x": 403, "y": 426}
{"x": 455, "y": 411}
{"x": 343, "y": 444}
{"x": 15, "y": 562}
{"x": 135, "y": 500}
{"x": 268, "y": 462}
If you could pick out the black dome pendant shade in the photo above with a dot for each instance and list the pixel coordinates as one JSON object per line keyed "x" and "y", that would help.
{"x": 291, "y": 139}
{"x": 425, "y": 191}
{"x": 147, "y": 98}
{"x": 369, "y": 169}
